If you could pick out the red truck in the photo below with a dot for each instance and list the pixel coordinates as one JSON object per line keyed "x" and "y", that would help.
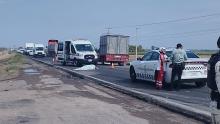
{"x": 52, "y": 48}
{"x": 114, "y": 49}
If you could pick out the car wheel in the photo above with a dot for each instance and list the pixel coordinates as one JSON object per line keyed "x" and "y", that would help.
{"x": 200, "y": 84}
{"x": 75, "y": 63}
{"x": 132, "y": 74}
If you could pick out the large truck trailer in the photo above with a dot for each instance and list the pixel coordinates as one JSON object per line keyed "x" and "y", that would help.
{"x": 114, "y": 49}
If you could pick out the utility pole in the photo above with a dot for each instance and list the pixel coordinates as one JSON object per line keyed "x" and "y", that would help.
{"x": 108, "y": 30}
{"x": 136, "y": 48}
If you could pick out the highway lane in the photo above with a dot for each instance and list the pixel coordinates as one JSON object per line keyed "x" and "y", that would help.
{"x": 189, "y": 94}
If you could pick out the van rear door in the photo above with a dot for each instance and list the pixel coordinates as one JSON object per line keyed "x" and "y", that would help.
{"x": 60, "y": 51}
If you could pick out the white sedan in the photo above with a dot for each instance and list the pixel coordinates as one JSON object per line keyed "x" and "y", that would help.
{"x": 146, "y": 68}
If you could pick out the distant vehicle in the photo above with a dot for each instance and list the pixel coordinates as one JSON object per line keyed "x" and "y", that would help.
{"x": 114, "y": 49}
{"x": 29, "y": 49}
{"x": 76, "y": 52}
{"x": 21, "y": 50}
{"x": 145, "y": 68}
{"x": 52, "y": 48}
{"x": 39, "y": 50}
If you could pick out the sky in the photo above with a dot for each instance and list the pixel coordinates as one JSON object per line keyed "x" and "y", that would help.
{"x": 40, "y": 20}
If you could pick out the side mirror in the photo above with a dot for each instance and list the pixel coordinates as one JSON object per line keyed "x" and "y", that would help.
{"x": 139, "y": 59}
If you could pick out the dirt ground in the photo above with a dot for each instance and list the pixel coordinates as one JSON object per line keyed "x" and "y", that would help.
{"x": 44, "y": 95}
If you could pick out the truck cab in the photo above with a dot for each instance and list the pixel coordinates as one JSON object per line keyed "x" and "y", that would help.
{"x": 76, "y": 52}
{"x": 39, "y": 50}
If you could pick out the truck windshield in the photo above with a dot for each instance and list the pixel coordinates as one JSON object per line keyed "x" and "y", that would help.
{"x": 84, "y": 47}
{"x": 39, "y": 48}
{"x": 29, "y": 48}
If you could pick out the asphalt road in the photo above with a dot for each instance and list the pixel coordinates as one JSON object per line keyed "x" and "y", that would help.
{"x": 188, "y": 95}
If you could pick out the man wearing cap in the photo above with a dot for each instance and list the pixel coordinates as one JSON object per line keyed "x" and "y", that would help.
{"x": 178, "y": 58}
{"x": 213, "y": 80}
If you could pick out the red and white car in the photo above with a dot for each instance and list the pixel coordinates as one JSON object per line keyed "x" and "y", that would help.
{"x": 145, "y": 68}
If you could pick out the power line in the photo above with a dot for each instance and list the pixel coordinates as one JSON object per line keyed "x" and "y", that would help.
{"x": 183, "y": 33}
{"x": 169, "y": 21}
{"x": 185, "y": 36}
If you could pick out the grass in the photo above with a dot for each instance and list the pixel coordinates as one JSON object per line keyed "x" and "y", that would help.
{"x": 13, "y": 64}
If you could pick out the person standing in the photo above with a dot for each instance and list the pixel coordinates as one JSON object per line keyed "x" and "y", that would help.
{"x": 178, "y": 58}
{"x": 213, "y": 79}
{"x": 160, "y": 72}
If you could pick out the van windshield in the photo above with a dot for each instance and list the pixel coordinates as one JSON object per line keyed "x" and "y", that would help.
{"x": 29, "y": 48}
{"x": 39, "y": 48}
{"x": 84, "y": 47}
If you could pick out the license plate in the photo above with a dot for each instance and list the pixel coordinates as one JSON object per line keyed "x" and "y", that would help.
{"x": 89, "y": 60}
{"x": 194, "y": 73}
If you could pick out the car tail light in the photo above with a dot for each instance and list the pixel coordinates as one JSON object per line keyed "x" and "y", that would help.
{"x": 205, "y": 64}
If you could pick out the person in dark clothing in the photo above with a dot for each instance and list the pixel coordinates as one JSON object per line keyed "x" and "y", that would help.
{"x": 178, "y": 58}
{"x": 213, "y": 78}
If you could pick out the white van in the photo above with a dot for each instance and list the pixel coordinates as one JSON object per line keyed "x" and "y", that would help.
{"x": 39, "y": 50}
{"x": 29, "y": 49}
{"x": 76, "y": 52}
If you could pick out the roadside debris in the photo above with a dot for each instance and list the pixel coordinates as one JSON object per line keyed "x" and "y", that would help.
{"x": 86, "y": 67}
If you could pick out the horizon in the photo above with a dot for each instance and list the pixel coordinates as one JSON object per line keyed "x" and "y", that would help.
{"x": 148, "y": 23}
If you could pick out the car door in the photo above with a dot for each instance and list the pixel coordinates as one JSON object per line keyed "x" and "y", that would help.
{"x": 143, "y": 67}
{"x": 154, "y": 64}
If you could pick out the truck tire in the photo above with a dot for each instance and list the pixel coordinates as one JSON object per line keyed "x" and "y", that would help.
{"x": 132, "y": 74}
{"x": 121, "y": 63}
{"x": 103, "y": 63}
{"x": 200, "y": 84}
{"x": 63, "y": 63}
{"x": 76, "y": 63}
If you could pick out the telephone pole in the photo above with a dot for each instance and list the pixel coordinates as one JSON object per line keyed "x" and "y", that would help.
{"x": 136, "y": 48}
{"x": 108, "y": 30}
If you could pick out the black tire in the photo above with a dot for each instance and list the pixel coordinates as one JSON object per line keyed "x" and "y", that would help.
{"x": 76, "y": 63}
{"x": 95, "y": 63}
{"x": 200, "y": 84}
{"x": 132, "y": 74}
{"x": 63, "y": 63}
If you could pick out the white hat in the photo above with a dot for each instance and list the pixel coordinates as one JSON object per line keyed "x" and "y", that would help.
{"x": 162, "y": 49}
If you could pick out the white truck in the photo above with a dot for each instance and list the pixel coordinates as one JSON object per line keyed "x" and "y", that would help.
{"x": 39, "y": 50}
{"x": 76, "y": 52}
{"x": 29, "y": 49}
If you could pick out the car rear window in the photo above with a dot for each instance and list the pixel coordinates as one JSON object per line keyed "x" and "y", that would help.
{"x": 189, "y": 54}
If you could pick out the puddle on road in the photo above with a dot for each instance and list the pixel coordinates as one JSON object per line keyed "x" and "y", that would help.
{"x": 31, "y": 71}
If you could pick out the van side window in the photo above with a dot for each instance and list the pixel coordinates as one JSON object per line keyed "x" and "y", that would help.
{"x": 73, "y": 49}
